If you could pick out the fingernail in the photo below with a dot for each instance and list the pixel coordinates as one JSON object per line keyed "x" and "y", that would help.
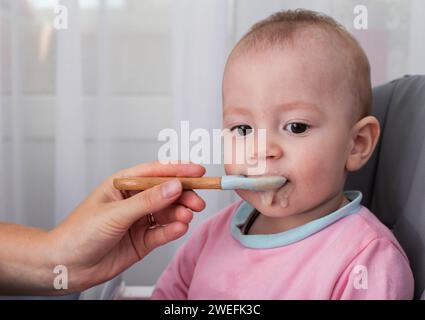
{"x": 170, "y": 188}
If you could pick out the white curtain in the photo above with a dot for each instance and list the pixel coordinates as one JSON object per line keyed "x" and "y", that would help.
{"x": 81, "y": 103}
{"x": 70, "y": 135}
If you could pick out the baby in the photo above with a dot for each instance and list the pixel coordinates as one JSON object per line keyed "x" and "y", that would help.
{"x": 305, "y": 79}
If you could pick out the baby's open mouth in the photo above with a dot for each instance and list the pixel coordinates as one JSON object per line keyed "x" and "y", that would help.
{"x": 275, "y": 196}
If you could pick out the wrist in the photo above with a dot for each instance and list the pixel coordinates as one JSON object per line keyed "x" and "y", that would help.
{"x": 48, "y": 273}
{"x": 25, "y": 266}
{"x": 60, "y": 268}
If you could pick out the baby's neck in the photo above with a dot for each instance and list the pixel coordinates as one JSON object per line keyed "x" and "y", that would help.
{"x": 268, "y": 225}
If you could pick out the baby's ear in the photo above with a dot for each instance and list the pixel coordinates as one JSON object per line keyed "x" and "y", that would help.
{"x": 365, "y": 134}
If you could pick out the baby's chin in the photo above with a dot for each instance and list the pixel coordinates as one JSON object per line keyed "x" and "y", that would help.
{"x": 274, "y": 209}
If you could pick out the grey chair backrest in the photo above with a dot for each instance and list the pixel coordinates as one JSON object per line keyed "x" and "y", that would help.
{"x": 393, "y": 181}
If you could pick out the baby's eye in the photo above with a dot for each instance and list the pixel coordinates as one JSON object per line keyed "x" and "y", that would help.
{"x": 242, "y": 130}
{"x": 297, "y": 127}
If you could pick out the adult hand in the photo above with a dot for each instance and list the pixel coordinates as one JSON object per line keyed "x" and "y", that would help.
{"x": 108, "y": 232}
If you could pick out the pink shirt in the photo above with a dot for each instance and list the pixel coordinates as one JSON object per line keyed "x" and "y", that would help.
{"x": 347, "y": 254}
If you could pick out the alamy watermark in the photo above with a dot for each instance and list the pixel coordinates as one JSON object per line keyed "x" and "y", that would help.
{"x": 360, "y": 21}
{"x": 360, "y": 278}
{"x": 60, "y": 21}
{"x": 216, "y": 147}
{"x": 60, "y": 282}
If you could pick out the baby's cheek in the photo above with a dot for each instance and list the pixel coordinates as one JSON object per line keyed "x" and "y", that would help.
{"x": 320, "y": 175}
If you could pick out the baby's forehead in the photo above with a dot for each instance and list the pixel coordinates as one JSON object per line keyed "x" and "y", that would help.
{"x": 302, "y": 37}
{"x": 317, "y": 44}
{"x": 305, "y": 62}
{"x": 321, "y": 59}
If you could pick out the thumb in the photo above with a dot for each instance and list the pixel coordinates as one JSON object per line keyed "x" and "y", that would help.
{"x": 150, "y": 200}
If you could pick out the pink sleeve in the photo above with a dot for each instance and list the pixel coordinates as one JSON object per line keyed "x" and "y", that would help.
{"x": 174, "y": 282}
{"x": 379, "y": 271}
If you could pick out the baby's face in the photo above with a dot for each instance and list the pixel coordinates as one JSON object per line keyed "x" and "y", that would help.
{"x": 299, "y": 95}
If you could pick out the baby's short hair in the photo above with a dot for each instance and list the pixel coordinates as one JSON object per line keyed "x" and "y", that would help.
{"x": 282, "y": 27}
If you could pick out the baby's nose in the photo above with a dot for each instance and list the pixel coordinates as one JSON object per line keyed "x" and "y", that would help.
{"x": 265, "y": 147}
{"x": 273, "y": 152}
{"x": 268, "y": 151}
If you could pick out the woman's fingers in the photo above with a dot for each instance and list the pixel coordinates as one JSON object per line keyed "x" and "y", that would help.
{"x": 152, "y": 200}
{"x": 173, "y": 214}
{"x": 161, "y": 235}
{"x": 192, "y": 200}
{"x": 188, "y": 198}
{"x": 176, "y": 206}
{"x": 183, "y": 209}
{"x": 108, "y": 193}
